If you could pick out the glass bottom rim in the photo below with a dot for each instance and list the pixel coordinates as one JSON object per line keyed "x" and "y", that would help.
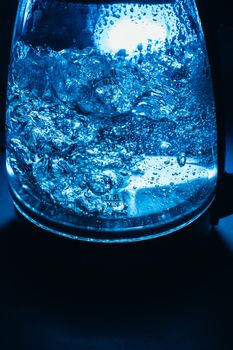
{"x": 106, "y": 235}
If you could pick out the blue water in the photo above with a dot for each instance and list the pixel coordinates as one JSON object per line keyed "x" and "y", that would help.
{"x": 112, "y": 132}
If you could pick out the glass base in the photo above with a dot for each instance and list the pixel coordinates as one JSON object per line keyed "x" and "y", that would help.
{"x": 152, "y": 209}
{"x": 149, "y": 227}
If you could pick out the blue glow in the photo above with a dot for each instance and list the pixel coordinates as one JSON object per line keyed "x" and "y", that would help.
{"x": 116, "y": 128}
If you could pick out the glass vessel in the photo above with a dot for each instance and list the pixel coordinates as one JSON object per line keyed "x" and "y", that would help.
{"x": 111, "y": 126}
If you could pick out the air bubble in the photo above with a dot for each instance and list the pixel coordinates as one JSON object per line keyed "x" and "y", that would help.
{"x": 165, "y": 145}
{"x": 181, "y": 159}
{"x": 99, "y": 184}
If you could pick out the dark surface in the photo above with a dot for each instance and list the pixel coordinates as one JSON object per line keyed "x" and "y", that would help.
{"x": 172, "y": 293}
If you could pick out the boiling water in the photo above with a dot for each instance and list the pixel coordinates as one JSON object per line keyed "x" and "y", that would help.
{"x": 112, "y": 132}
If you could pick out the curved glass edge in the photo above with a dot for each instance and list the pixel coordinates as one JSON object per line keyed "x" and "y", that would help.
{"x": 139, "y": 233}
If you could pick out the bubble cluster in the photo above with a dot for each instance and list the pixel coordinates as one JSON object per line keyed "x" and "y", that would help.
{"x": 86, "y": 126}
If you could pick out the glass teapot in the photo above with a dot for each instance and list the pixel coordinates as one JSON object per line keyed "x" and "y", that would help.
{"x": 111, "y": 126}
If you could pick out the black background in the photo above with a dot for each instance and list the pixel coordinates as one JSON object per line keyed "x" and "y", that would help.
{"x": 172, "y": 293}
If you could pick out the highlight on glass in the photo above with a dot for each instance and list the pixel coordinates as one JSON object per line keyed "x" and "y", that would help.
{"x": 111, "y": 126}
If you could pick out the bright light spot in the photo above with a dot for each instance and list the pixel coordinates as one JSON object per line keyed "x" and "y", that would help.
{"x": 212, "y": 173}
{"x": 126, "y": 34}
{"x": 134, "y": 28}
